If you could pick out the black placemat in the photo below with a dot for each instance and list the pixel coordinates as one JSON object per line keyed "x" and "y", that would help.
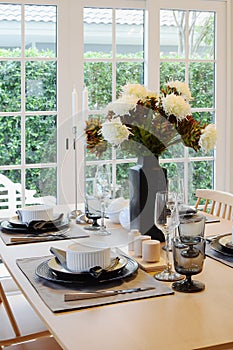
{"x": 224, "y": 259}
{"x": 53, "y": 293}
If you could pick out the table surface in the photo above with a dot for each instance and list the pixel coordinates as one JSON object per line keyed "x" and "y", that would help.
{"x": 180, "y": 321}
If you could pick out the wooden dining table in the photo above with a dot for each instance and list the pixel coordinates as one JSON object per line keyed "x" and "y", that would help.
{"x": 180, "y": 321}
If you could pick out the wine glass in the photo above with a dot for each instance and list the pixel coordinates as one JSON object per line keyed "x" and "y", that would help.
{"x": 167, "y": 219}
{"x": 176, "y": 184}
{"x": 188, "y": 265}
{"x": 102, "y": 192}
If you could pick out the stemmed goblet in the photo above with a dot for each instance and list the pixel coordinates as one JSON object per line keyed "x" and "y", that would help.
{"x": 188, "y": 264}
{"x": 102, "y": 192}
{"x": 93, "y": 213}
{"x": 167, "y": 219}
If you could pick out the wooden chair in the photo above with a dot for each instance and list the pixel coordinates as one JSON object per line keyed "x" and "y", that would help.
{"x": 11, "y": 197}
{"x": 215, "y": 202}
{"x": 19, "y": 322}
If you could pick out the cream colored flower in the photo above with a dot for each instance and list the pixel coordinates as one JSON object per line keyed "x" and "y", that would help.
{"x": 176, "y": 105}
{"x": 182, "y": 88}
{"x": 208, "y": 137}
{"x": 136, "y": 90}
{"x": 151, "y": 94}
{"x": 115, "y": 132}
{"x": 123, "y": 105}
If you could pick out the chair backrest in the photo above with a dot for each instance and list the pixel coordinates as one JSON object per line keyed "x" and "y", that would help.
{"x": 11, "y": 196}
{"x": 215, "y": 202}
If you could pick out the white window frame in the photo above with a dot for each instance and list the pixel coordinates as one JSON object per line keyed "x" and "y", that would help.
{"x": 70, "y": 71}
{"x": 70, "y": 18}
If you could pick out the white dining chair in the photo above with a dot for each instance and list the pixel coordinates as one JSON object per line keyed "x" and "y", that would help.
{"x": 19, "y": 323}
{"x": 217, "y": 203}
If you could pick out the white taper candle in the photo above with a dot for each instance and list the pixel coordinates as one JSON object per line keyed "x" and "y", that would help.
{"x": 74, "y": 106}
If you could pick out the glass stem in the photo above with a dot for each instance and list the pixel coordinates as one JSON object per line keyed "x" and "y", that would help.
{"x": 102, "y": 214}
{"x": 168, "y": 268}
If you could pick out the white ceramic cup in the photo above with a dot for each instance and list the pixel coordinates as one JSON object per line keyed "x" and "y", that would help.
{"x": 151, "y": 250}
{"x": 132, "y": 235}
{"x": 138, "y": 244}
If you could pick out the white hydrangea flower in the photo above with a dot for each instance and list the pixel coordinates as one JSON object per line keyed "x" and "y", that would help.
{"x": 176, "y": 105}
{"x": 123, "y": 105}
{"x": 208, "y": 137}
{"x": 182, "y": 88}
{"x": 136, "y": 90}
{"x": 115, "y": 132}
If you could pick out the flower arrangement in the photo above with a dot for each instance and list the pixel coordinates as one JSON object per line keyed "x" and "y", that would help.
{"x": 154, "y": 121}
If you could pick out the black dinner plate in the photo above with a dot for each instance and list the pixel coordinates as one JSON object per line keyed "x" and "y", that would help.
{"x": 219, "y": 248}
{"x": 226, "y": 243}
{"x": 15, "y": 222}
{"x": 7, "y": 227}
{"x": 44, "y": 271}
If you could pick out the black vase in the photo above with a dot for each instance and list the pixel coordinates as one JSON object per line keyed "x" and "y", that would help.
{"x": 145, "y": 180}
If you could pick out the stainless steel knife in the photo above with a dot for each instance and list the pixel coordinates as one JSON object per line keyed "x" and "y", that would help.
{"x": 26, "y": 239}
{"x": 100, "y": 294}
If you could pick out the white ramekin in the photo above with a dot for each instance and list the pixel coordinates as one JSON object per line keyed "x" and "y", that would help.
{"x": 81, "y": 258}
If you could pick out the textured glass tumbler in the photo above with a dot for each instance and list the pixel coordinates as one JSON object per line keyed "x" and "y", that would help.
{"x": 188, "y": 265}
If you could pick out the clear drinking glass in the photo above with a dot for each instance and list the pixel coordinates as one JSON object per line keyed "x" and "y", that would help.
{"x": 176, "y": 184}
{"x": 102, "y": 191}
{"x": 167, "y": 219}
{"x": 191, "y": 230}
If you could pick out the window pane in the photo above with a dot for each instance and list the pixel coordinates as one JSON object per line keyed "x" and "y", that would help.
{"x": 10, "y": 30}
{"x": 201, "y": 80}
{"x": 171, "y": 71}
{"x": 172, "y": 34}
{"x": 129, "y": 72}
{"x": 200, "y": 176}
{"x": 201, "y": 34}
{"x": 122, "y": 185}
{"x": 129, "y": 33}
{"x": 41, "y": 139}
{"x": 43, "y": 181}
{"x": 98, "y": 80}
{"x": 40, "y": 28}
{"x": 40, "y": 86}
{"x": 176, "y": 151}
{"x": 97, "y": 31}
{"x": 10, "y": 86}
{"x": 10, "y": 140}
{"x": 174, "y": 169}
{"x": 208, "y": 118}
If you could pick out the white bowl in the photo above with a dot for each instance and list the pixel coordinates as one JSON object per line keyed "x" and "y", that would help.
{"x": 115, "y": 208}
{"x": 36, "y": 212}
{"x": 124, "y": 218}
{"x": 81, "y": 258}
